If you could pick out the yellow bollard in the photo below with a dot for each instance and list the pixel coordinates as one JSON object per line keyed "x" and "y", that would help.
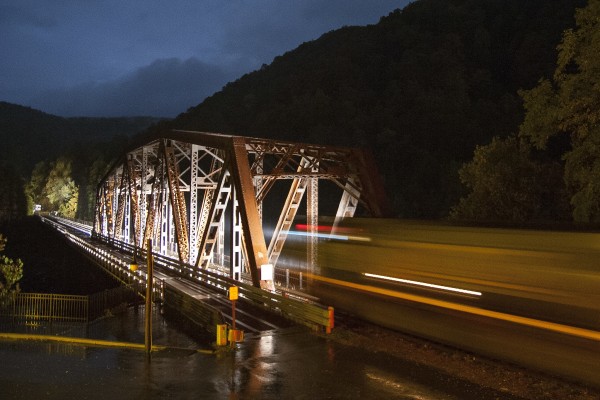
{"x": 329, "y": 327}
{"x": 236, "y": 336}
{"x": 221, "y": 334}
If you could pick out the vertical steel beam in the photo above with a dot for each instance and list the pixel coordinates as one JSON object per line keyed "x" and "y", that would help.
{"x": 193, "y": 239}
{"x": 118, "y": 230}
{"x": 236, "y": 257}
{"x": 99, "y": 210}
{"x": 127, "y": 217}
{"x": 144, "y": 192}
{"x": 136, "y": 182}
{"x": 312, "y": 220}
{"x": 109, "y": 194}
{"x": 219, "y": 247}
{"x": 132, "y": 216}
{"x": 165, "y": 222}
{"x": 259, "y": 181}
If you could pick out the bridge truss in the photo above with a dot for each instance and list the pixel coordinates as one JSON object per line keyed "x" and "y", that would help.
{"x": 185, "y": 190}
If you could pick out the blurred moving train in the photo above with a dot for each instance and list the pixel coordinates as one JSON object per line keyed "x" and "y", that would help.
{"x": 526, "y": 296}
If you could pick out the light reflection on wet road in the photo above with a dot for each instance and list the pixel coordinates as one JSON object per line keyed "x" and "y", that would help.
{"x": 290, "y": 364}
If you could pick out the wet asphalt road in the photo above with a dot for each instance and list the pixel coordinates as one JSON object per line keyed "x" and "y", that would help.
{"x": 284, "y": 364}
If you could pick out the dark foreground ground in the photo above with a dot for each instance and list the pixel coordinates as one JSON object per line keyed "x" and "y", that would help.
{"x": 504, "y": 378}
{"x": 358, "y": 361}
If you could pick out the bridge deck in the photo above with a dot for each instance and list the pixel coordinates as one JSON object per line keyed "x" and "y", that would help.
{"x": 251, "y": 316}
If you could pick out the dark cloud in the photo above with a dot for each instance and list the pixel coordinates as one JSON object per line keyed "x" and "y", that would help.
{"x": 17, "y": 14}
{"x": 263, "y": 30}
{"x": 164, "y": 88}
{"x": 153, "y": 57}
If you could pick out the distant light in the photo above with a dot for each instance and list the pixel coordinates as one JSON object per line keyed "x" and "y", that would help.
{"x": 417, "y": 283}
{"x": 326, "y": 228}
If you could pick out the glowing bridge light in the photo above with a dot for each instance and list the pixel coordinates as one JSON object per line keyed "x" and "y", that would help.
{"x": 424, "y": 284}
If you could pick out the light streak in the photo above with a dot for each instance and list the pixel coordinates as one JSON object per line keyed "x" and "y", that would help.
{"x": 429, "y": 285}
{"x": 535, "y": 323}
{"x": 329, "y": 236}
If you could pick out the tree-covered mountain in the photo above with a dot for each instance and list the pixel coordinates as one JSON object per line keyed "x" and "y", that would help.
{"x": 28, "y": 136}
{"x": 422, "y": 88}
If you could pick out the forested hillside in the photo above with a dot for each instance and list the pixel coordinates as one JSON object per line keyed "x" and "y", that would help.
{"x": 54, "y": 161}
{"x": 422, "y": 88}
{"x": 28, "y": 136}
{"x": 550, "y": 169}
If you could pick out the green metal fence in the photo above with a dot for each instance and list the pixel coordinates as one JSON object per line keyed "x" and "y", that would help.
{"x": 47, "y": 307}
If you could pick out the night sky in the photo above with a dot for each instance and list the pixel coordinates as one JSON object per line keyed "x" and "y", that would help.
{"x": 152, "y": 57}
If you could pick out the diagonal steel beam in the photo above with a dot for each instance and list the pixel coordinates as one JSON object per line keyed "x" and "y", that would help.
{"x": 177, "y": 202}
{"x": 251, "y": 223}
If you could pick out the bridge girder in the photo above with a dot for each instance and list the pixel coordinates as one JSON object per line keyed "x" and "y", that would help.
{"x": 213, "y": 177}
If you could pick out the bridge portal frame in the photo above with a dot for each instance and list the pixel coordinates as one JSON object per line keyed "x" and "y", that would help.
{"x": 176, "y": 189}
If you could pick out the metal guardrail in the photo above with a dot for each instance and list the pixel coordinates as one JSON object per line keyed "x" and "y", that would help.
{"x": 306, "y": 313}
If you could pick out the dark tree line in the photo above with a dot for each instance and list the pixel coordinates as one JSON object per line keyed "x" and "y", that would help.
{"x": 13, "y": 203}
{"x": 551, "y": 168}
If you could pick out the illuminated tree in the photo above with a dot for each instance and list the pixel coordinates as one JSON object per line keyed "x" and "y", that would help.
{"x": 11, "y": 272}
{"x": 35, "y": 188}
{"x": 507, "y": 184}
{"x": 60, "y": 189}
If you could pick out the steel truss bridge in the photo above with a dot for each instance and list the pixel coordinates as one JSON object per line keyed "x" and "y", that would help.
{"x": 200, "y": 198}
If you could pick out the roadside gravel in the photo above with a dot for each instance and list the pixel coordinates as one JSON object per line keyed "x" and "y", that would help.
{"x": 500, "y": 376}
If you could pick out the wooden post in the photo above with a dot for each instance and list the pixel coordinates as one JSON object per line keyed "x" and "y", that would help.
{"x": 149, "y": 287}
{"x": 233, "y": 314}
